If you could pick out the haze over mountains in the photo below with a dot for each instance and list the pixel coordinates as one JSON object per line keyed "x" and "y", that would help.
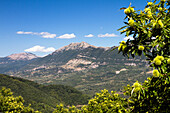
{"x": 81, "y": 65}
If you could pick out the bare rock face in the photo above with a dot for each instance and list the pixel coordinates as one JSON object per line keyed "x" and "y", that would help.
{"x": 22, "y": 56}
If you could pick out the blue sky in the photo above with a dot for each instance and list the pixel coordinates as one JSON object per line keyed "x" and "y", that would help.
{"x": 41, "y": 26}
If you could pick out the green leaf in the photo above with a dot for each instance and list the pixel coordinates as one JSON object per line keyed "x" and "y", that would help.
{"x": 139, "y": 96}
{"x": 127, "y": 33}
{"x": 121, "y": 28}
{"x": 122, "y": 8}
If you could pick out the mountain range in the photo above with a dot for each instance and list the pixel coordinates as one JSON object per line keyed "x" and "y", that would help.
{"x": 86, "y": 67}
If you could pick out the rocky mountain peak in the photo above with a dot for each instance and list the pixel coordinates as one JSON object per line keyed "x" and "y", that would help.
{"x": 74, "y": 46}
{"x": 22, "y": 56}
{"x": 79, "y": 45}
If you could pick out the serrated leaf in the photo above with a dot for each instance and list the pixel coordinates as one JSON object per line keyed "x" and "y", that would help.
{"x": 133, "y": 52}
{"x": 139, "y": 96}
{"x": 127, "y": 33}
{"x": 121, "y": 28}
{"x": 122, "y": 8}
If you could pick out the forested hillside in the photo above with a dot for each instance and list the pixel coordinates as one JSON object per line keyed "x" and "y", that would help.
{"x": 43, "y": 98}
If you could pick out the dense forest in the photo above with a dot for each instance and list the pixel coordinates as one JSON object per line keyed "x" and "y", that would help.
{"x": 43, "y": 98}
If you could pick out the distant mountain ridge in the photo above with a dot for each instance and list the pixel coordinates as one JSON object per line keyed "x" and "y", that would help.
{"x": 22, "y": 56}
{"x": 15, "y": 61}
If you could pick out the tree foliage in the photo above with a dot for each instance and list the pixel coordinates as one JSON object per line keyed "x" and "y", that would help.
{"x": 11, "y": 104}
{"x": 151, "y": 36}
{"x": 103, "y": 102}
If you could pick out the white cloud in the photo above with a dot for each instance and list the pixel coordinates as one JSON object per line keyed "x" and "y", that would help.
{"x": 89, "y": 35}
{"x": 107, "y": 35}
{"x": 42, "y": 34}
{"x": 22, "y": 32}
{"x": 40, "y": 49}
{"x": 129, "y": 37}
{"x": 49, "y": 36}
{"x": 19, "y": 32}
{"x": 67, "y": 36}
